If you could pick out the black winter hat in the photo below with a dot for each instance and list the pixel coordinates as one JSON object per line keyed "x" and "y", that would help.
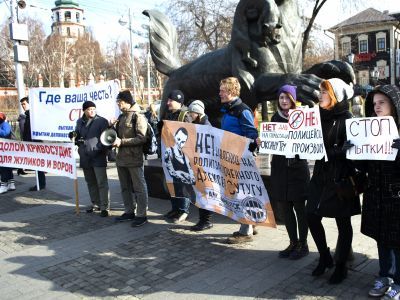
{"x": 177, "y": 96}
{"x": 87, "y": 104}
{"x": 126, "y": 96}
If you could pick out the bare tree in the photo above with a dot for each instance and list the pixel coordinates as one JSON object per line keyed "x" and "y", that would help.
{"x": 202, "y": 25}
{"x": 7, "y": 76}
{"x": 317, "y": 51}
{"x": 317, "y": 5}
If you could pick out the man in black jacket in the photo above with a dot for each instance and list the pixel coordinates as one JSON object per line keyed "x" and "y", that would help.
{"x": 27, "y": 137}
{"x": 93, "y": 156}
{"x": 179, "y": 203}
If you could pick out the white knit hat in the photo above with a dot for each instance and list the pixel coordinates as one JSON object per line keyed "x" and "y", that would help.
{"x": 197, "y": 106}
{"x": 342, "y": 90}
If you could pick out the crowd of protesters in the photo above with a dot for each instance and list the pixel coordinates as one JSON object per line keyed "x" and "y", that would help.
{"x": 304, "y": 201}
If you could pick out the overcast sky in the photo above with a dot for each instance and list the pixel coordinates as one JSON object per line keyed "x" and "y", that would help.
{"x": 103, "y": 15}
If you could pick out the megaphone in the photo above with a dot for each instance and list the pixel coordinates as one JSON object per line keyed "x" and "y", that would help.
{"x": 108, "y": 137}
{"x": 21, "y": 4}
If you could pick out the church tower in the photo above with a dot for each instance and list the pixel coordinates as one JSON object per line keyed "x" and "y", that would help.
{"x": 68, "y": 19}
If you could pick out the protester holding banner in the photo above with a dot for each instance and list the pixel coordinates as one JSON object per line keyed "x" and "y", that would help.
{"x": 93, "y": 156}
{"x": 7, "y": 182}
{"x": 196, "y": 111}
{"x": 290, "y": 178}
{"x": 381, "y": 202}
{"x": 131, "y": 130}
{"x": 27, "y": 137}
{"x": 180, "y": 203}
{"x": 21, "y": 125}
{"x": 324, "y": 199}
{"x": 237, "y": 118}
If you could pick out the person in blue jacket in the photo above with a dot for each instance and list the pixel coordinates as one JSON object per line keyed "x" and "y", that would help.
{"x": 237, "y": 118}
{"x": 7, "y": 179}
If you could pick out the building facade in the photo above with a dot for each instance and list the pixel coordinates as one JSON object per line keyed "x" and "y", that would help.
{"x": 68, "y": 19}
{"x": 370, "y": 40}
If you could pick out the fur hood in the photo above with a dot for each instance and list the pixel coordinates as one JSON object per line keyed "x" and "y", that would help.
{"x": 390, "y": 91}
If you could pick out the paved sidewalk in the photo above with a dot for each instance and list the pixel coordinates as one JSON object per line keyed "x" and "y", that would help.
{"x": 49, "y": 252}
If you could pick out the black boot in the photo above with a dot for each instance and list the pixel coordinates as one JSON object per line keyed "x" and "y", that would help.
{"x": 325, "y": 261}
{"x": 339, "y": 274}
{"x": 289, "y": 249}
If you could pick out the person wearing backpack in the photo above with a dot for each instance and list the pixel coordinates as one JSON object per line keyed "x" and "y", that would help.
{"x": 179, "y": 203}
{"x": 131, "y": 128}
{"x": 7, "y": 178}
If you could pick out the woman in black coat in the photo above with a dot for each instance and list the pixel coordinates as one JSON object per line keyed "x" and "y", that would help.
{"x": 323, "y": 200}
{"x": 380, "y": 217}
{"x": 290, "y": 178}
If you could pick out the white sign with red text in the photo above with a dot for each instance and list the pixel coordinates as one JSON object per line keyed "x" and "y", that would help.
{"x": 372, "y": 138}
{"x": 54, "y": 111}
{"x": 301, "y": 135}
{"x": 56, "y": 158}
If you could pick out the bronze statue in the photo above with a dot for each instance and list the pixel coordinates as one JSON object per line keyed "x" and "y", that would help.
{"x": 264, "y": 53}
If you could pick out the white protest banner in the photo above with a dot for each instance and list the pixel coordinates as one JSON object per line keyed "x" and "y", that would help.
{"x": 372, "y": 138}
{"x": 217, "y": 171}
{"x": 56, "y": 158}
{"x": 274, "y": 138}
{"x": 301, "y": 136}
{"x": 54, "y": 111}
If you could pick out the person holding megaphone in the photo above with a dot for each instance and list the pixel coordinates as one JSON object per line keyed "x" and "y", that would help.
{"x": 93, "y": 156}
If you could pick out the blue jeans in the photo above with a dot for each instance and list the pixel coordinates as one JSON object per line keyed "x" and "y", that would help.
{"x": 389, "y": 263}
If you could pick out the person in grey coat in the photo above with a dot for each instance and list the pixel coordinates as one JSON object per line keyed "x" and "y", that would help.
{"x": 93, "y": 156}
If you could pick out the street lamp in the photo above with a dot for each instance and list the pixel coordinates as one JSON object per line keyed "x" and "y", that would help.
{"x": 147, "y": 28}
{"x": 123, "y": 22}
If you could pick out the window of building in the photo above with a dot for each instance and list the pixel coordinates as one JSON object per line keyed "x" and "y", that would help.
{"x": 67, "y": 16}
{"x": 346, "y": 49}
{"x": 363, "y": 43}
{"x": 58, "y": 16}
{"x": 78, "y": 17}
{"x": 346, "y": 45}
{"x": 363, "y": 46}
{"x": 380, "y": 41}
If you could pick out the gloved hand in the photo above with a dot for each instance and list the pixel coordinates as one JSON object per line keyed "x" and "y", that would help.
{"x": 396, "y": 144}
{"x": 253, "y": 146}
{"x": 72, "y": 134}
{"x": 347, "y": 145}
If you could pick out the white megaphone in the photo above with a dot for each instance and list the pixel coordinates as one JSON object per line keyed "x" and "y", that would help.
{"x": 108, "y": 137}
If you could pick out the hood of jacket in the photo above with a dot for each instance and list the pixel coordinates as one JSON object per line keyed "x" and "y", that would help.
{"x": 134, "y": 108}
{"x": 392, "y": 92}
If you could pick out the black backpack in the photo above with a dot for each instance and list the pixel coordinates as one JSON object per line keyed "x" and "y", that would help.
{"x": 150, "y": 145}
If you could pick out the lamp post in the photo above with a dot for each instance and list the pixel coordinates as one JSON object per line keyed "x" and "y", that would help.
{"x": 148, "y": 76}
{"x": 122, "y": 22}
{"x": 18, "y": 33}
